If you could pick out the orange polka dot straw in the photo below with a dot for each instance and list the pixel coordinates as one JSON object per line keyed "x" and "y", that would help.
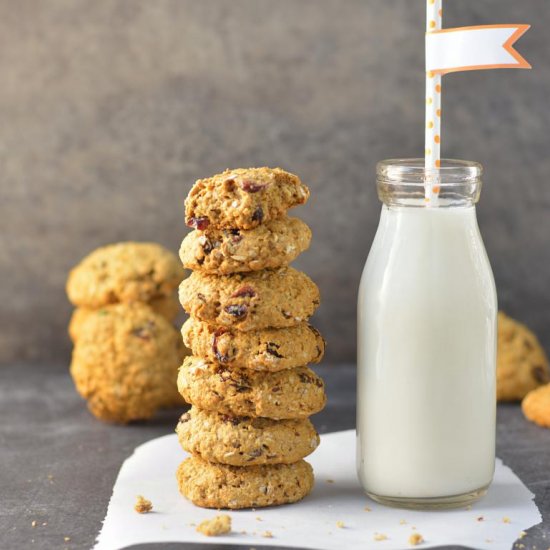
{"x": 434, "y": 13}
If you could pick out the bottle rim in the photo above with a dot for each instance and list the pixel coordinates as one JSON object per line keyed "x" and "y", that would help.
{"x": 412, "y": 171}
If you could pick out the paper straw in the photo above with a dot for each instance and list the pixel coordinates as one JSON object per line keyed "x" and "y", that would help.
{"x": 434, "y": 18}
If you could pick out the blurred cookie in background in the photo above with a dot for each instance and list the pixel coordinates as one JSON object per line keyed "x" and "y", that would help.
{"x": 167, "y": 306}
{"x": 125, "y": 362}
{"x": 127, "y": 351}
{"x": 536, "y": 406}
{"x": 123, "y": 273}
{"x": 522, "y": 364}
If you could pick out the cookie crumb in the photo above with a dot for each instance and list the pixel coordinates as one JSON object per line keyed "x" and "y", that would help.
{"x": 415, "y": 539}
{"x": 367, "y": 509}
{"x": 340, "y": 524}
{"x": 258, "y": 518}
{"x": 267, "y": 534}
{"x": 402, "y": 522}
{"x": 44, "y": 524}
{"x": 329, "y": 480}
{"x": 506, "y": 519}
{"x": 34, "y": 523}
{"x": 380, "y": 536}
{"x": 220, "y": 525}
{"x": 522, "y": 534}
{"x": 66, "y": 539}
{"x": 143, "y": 506}
{"x": 480, "y": 518}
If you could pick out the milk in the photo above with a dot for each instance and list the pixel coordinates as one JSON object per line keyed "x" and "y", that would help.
{"x": 426, "y": 357}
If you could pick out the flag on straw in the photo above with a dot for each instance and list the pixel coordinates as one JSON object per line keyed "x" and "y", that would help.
{"x": 475, "y": 48}
{"x": 454, "y": 50}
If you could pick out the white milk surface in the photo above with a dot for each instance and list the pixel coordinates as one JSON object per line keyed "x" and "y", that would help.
{"x": 426, "y": 356}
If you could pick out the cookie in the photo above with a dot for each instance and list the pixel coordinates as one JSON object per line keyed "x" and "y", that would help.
{"x": 124, "y": 272}
{"x": 125, "y": 362}
{"x": 522, "y": 364}
{"x": 276, "y": 299}
{"x": 268, "y": 349}
{"x": 167, "y": 306}
{"x": 290, "y": 393}
{"x": 245, "y": 441}
{"x": 221, "y": 486}
{"x": 243, "y": 198}
{"x": 224, "y": 251}
{"x": 536, "y": 406}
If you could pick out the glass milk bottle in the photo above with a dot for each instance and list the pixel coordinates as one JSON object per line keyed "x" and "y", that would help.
{"x": 427, "y": 311}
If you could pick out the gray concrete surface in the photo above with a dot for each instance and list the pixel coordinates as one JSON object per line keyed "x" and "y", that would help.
{"x": 112, "y": 108}
{"x": 58, "y": 464}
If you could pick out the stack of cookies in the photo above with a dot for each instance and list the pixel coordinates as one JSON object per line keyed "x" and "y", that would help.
{"x": 250, "y": 389}
{"x": 127, "y": 351}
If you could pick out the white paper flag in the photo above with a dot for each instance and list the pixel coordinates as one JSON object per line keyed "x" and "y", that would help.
{"x": 474, "y": 48}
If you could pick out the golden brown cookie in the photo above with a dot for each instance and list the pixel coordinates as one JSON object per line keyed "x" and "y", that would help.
{"x": 167, "y": 306}
{"x": 522, "y": 364}
{"x": 290, "y": 393}
{"x": 245, "y": 441}
{"x": 224, "y": 251}
{"x": 221, "y": 486}
{"x": 536, "y": 406}
{"x": 243, "y": 198}
{"x": 125, "y": 362}
{"x": 252, "y": 301}
{"x": 268, "y": 349}
{"x": 124, "y": 272}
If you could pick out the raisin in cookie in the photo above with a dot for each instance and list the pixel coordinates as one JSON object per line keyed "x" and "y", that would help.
{"x": 124, "y": 272}
{"x": 221, "y": 486}
{"x": 268, "y": 349}
{"x": 536, "y": 406}
{"x": 125, "y": 362}
{"x": 245, "y": 441}
{"x": 522, "y": 364}
{"x": 243, "y": 198}
{"x": 167, "y": 306}
{"x": 277, "y": 299}
{"x": 290, "y": 393}
{"x": 223, "y": 251}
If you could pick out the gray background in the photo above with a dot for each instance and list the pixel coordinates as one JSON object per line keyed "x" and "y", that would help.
{"x": 111, "y": 109}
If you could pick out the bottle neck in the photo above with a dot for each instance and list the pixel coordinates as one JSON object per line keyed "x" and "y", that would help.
{"x": 406, "y": 183}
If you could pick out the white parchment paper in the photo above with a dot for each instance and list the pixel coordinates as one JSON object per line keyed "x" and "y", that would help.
{"x": 493, "y": 523}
